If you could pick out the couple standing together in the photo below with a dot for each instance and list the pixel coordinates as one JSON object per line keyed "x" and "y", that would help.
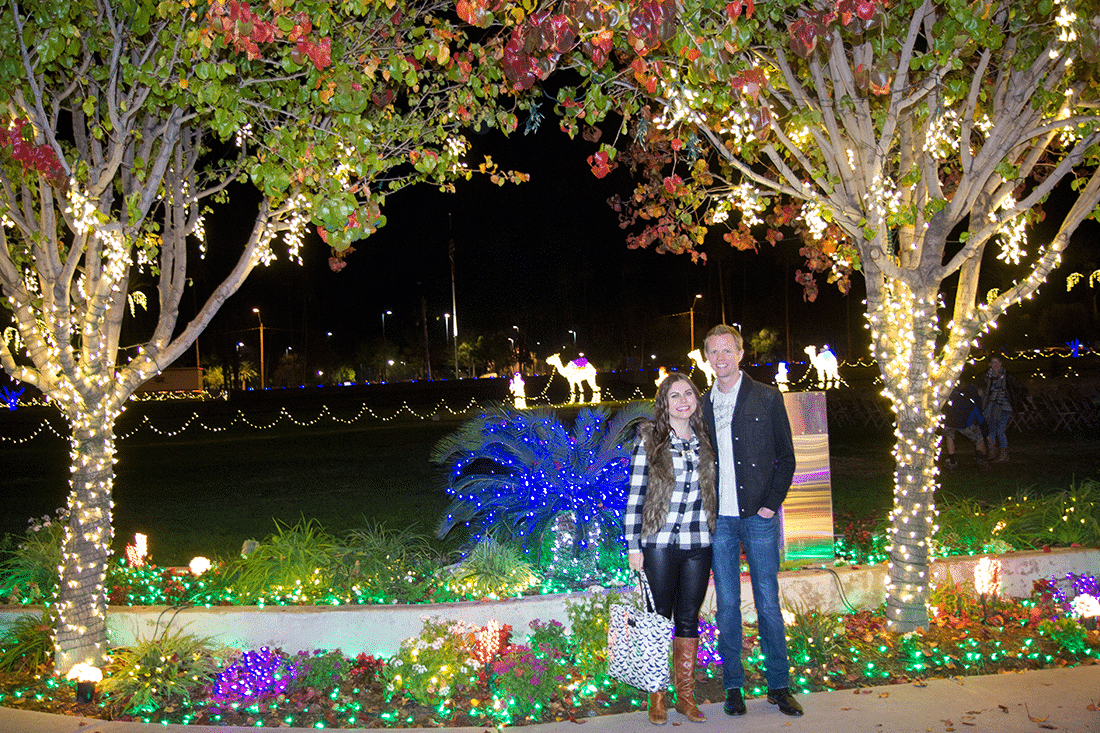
{"x": 707, "y": 477}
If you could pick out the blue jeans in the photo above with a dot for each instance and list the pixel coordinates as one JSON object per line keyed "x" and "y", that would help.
{"x": 998, "y": 416}
{"x": 760, "y": 538}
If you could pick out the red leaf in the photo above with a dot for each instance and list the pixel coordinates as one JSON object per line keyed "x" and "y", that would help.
{"x": 600, "y": 163}
{"x": 734, "y": 9}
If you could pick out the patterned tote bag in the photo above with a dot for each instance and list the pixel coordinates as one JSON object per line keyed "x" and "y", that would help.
{"x": 638, "y": 642}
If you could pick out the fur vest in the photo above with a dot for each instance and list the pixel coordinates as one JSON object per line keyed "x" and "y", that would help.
{"x": 660, "y": 482}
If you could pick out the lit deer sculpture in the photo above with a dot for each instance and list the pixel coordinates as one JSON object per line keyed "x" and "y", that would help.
{"x": 577, "y": 372}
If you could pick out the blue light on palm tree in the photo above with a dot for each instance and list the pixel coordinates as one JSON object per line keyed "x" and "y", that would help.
{"x": 514, "y": 474}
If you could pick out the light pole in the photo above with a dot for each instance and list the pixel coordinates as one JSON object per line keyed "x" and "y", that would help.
{"x": 263, "y": 379}
{"x": 447, "y": 327}
{"x": 574, "y": 338}
{"x": 384, "y": 314}
{"x": 691, "y": 311}
{"x": 454, "y": 333}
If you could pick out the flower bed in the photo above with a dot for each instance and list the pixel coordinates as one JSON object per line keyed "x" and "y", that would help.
{"x": 458, "y": 674}
{"x": 451, "y": 671}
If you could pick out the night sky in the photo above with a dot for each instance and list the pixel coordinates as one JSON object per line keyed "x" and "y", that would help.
{"x": 533, "y": 262}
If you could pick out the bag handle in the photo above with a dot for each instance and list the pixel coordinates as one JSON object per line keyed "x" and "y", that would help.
{"x": 647, "y": 594}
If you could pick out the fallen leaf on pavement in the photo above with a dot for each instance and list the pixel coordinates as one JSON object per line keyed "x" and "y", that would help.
{"x": 884, "y": 694}
{"x": 1032, "y": 718}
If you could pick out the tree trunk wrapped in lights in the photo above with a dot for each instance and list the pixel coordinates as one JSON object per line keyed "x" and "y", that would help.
{"x": 123, "y": 122}
{"x": 909, "y": 140}
{"x": 81, "y": 603}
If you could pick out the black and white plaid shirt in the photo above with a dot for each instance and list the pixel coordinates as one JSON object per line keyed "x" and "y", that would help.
{"x": 686, "y": 526}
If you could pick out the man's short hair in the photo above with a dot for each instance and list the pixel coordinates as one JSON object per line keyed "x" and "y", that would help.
{"x": 723, "y": 330}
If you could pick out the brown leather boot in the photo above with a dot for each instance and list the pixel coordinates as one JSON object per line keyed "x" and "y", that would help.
{"x": 684, "y": 654}
{"x": 658, "y": 711}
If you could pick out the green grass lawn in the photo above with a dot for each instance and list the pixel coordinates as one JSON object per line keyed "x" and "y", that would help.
{"x": 201, "y": 492}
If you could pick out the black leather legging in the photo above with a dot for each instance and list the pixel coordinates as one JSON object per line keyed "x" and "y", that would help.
{"x": 678, "y": 579}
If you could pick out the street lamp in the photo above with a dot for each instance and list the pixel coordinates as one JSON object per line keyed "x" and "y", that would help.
{"x": 263, "y": 379}
{"x": 384, "y": 314}
{"x": 454, "y": 334}
{"x": 447, "y": 326}
{"x": 691, "y": 311}
{"x": 574, "y": 337}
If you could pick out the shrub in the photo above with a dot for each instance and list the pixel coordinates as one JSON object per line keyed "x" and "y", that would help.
{"x": 380, "y": 565}
{"x": 588, "y": 619}
{"x": 319, "y": 670}
{"x": 492, "y": 570}
{"x": 1069, "y": 635}
{"x": 433, "y": 666}
{"x": 552, "y": 635}
{"x": 29, "y": 572}
{"x": 816, "y": 638}
{"x": 525, "y": 679}
{"x": 295, "y": 565}
{"x": 27, "y": 644}
{"x": 951, "y": 600}
{"x": 860, "y": 539}
{"x": 365, "y": 669}
{"x": 147, "y": 676}
{"x": 1072, "y": 517}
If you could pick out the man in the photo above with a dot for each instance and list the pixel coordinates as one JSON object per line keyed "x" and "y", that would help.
{"x": 752, "y": 438}
{"x": 963, "y": 415}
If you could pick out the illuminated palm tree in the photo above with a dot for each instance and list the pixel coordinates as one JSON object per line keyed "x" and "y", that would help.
{"x": 522, "y": 474}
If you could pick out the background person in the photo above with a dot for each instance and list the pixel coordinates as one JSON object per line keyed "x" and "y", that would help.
{"x": 670, "y": 515}
{"x": 752, "y": 437}
{"x": 963, "y": 415}
{"x": 1002, "y": 393}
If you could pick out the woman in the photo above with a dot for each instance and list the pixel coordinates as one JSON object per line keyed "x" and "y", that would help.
{"x": 670, "y": 516}
{"x": 997, "y": 405}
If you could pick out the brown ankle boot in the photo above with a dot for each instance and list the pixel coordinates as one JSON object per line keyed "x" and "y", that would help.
{"x": 658, "y": 711}
{"x": 684, "y": 654}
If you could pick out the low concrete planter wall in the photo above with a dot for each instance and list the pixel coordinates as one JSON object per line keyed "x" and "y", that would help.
{"x": 379, "y": 630}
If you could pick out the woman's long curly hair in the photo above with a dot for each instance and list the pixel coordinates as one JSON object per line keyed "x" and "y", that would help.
{"x": 661, "y": 427}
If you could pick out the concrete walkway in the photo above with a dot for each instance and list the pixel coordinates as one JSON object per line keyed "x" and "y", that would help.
{"x": 1029, "y": 702}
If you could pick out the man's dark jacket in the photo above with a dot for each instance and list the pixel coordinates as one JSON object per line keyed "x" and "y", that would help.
{"x": 763, "y": 449}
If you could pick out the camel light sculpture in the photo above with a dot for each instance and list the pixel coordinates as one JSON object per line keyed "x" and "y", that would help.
{"x": 577, "y": 372}
{"x": 701, "y": 364}
{"x": 828, "y": 376}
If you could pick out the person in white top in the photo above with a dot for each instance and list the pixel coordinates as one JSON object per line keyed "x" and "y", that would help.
{"x": 752, "y": 438}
